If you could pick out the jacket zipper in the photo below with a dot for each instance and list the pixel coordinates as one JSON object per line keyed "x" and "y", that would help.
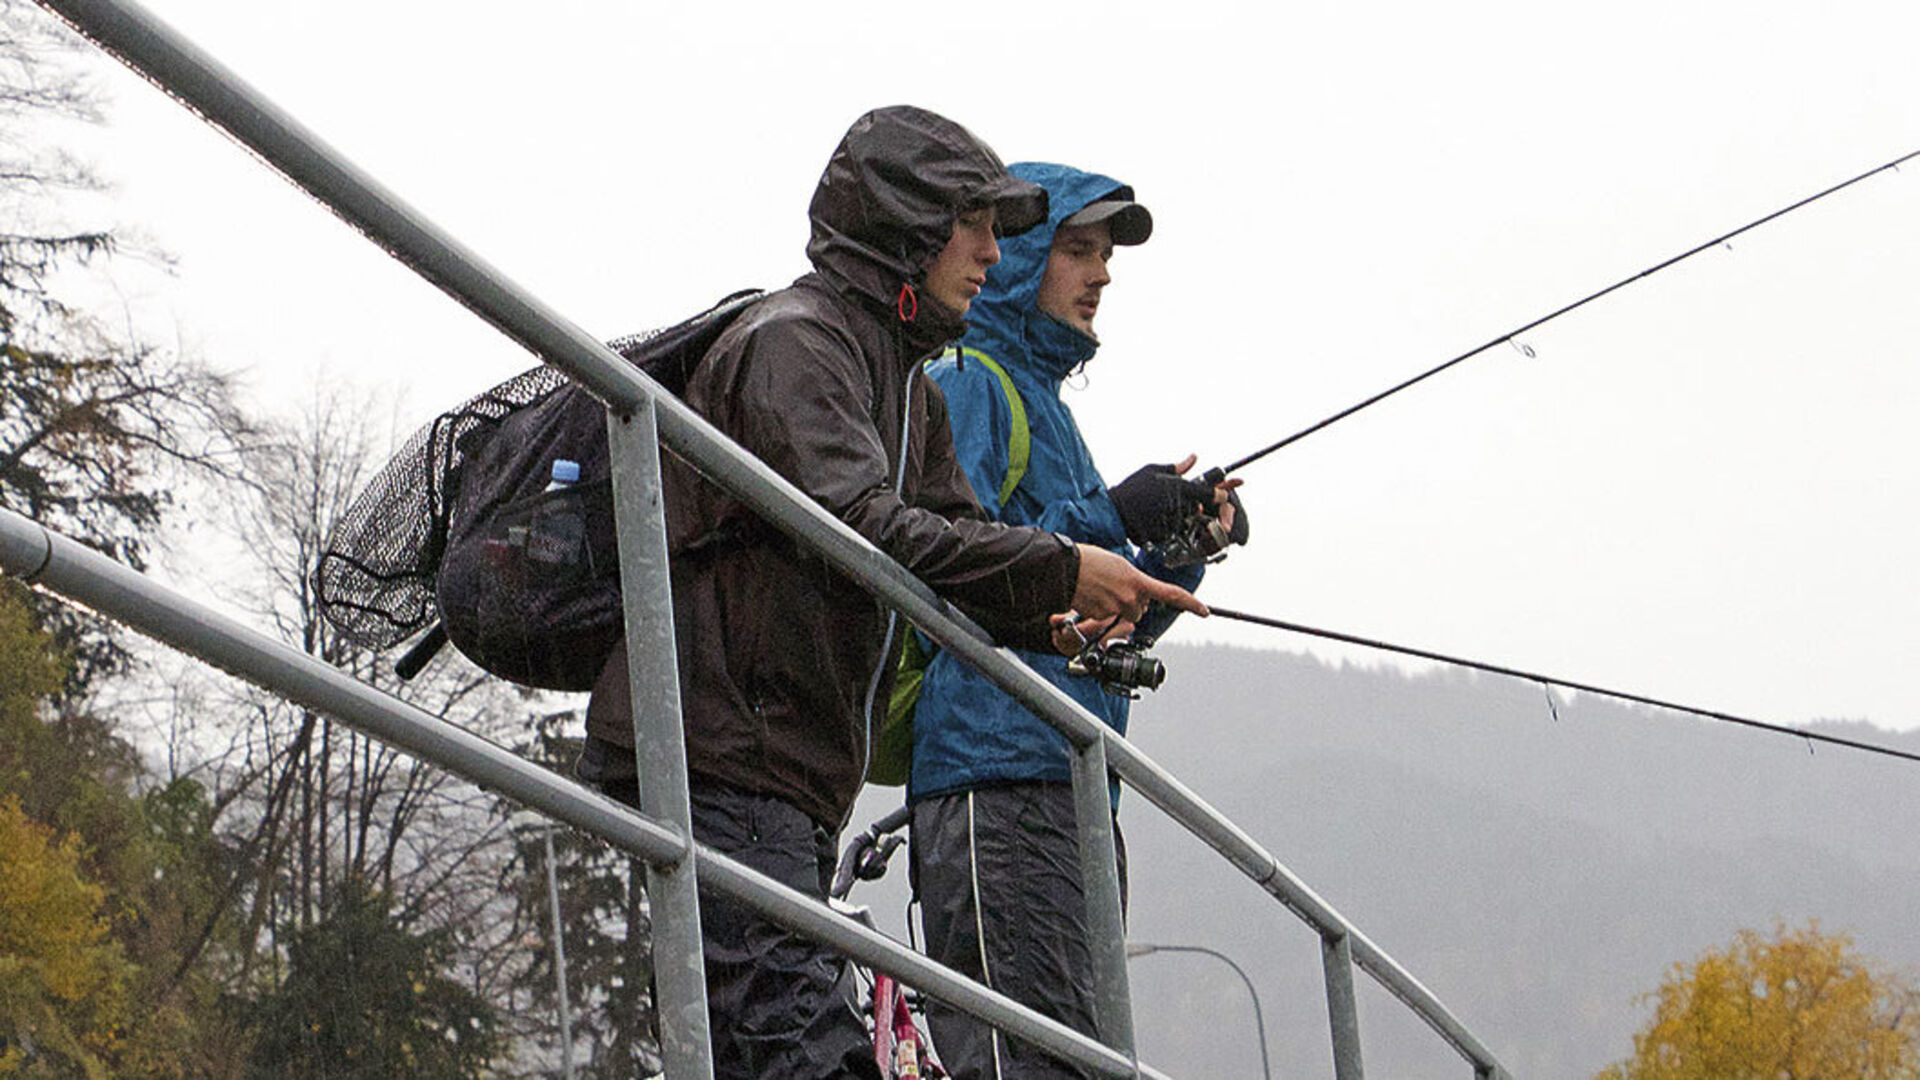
{"x": 893, "y": 617}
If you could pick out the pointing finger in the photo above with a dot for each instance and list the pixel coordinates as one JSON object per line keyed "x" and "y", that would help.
{"x": 1178, "y": 597}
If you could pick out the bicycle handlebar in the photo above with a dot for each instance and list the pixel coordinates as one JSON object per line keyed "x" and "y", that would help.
{"x": 866, "y": 857}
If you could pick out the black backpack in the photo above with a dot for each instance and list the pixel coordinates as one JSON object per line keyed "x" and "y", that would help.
{"x": 469, "y": 525}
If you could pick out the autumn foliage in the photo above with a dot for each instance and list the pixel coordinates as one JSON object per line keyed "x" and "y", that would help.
{"x": 62, "y": 979}
{"x": 1797, "y": 1005}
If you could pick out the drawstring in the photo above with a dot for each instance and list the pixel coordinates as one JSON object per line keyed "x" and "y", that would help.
{"x": 906, "y": 305}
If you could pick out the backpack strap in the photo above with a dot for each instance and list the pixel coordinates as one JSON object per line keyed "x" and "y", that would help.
{"x": 1020, "y": 439}
{"x": 891, "y": 756}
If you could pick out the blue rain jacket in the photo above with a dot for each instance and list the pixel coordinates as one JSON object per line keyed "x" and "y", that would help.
{"x": 967, "y": 732}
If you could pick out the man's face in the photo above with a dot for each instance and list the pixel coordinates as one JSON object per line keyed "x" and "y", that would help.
{"x": 960, "y": 271}
{"x": 1076, "y": 272}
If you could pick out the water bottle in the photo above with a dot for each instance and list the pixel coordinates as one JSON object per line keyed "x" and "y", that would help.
{"x": 559, "y": 527}
{"x": 565, "y": 474}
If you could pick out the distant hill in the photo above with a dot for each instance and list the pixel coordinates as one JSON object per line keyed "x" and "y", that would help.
{"x": 1539, "y": 875}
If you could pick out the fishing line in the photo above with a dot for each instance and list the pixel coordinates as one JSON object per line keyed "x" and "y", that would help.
{"x": 1549, "y": 680}
{"x": 1216, "y": 475}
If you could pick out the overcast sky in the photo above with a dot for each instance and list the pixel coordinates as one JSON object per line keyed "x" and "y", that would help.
{"x": 1702, "y": 488}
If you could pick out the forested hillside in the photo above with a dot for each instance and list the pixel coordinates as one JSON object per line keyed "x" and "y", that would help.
{"x": 1538, "y": 873}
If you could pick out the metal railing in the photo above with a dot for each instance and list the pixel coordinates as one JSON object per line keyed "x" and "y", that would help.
{"x": 70, "y": 569}
{"x": 641, "y": 417}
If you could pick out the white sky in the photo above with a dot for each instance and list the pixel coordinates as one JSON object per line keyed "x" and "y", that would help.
{"x": 1702, "y": 488}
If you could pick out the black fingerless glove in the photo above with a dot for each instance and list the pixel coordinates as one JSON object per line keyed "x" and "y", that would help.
{"x": 1153, "y": 502}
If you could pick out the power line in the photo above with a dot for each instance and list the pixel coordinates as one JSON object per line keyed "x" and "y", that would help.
{"x": 1543, "y": 320}
{"x": 1549, "y": 680}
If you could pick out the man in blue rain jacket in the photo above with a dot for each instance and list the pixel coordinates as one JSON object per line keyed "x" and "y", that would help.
{"x": 996, "y": 855}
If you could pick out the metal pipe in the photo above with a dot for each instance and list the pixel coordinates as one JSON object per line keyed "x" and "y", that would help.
{"x": 659, "y": 739}
{"x": 86, "y": 577}
{"x": 156, "y": 51}
{"x": 150, "y": 47}
{"x": 1343, "y": 1013}
{"x": 1100, "y": 884}
{"x": 559, "y": 959}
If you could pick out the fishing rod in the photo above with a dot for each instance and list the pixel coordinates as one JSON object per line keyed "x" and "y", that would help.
{"x": 1194, "y": 545}
{"x": 1544, "y": 319}
{"x": 1569, "y": 684}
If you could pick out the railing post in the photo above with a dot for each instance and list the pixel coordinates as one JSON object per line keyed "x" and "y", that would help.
{"x": 559, "y": 958}
{"x": 1336, "y": 956}
{"x": 1100, "y": 880}
{"x": 679, "y": 968}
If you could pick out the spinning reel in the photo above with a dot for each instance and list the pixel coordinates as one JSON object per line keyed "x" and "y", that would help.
{"x": 1200, "y": 536}
{"x": 1121, "y": 666}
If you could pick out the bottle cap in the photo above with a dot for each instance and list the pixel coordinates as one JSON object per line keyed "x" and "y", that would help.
{"x": 566, "y": 472}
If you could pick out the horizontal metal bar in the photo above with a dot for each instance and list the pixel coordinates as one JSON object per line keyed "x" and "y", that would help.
{"x": 152, "y": 48}
{"x": 84, "y": 576}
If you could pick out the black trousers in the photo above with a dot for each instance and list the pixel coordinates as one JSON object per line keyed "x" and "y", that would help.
{"x": 781, "y": 1006}
{"x": 997, "y": 871}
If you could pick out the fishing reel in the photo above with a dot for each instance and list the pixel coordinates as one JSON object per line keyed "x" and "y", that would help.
{"x": 1120, "y": 665}
{"x": 1199, "y": 536}
{"x": 1177, "y": 518}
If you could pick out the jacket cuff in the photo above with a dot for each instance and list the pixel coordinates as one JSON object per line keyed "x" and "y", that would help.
{"x": 1036, "y": 633}
{"x": 1071, "y": 564}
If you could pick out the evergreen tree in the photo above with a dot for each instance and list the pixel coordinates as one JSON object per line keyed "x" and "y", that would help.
{"x": 366, "y": 999}
{"x": 605, "y": 930}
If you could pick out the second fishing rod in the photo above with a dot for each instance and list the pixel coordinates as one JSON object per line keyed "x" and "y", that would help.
{"x": 1201, "y": 536}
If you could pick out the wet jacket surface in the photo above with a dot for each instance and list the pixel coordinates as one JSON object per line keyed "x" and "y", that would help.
{"x": 784, "y": 662}
{"x": 966, "y": 731}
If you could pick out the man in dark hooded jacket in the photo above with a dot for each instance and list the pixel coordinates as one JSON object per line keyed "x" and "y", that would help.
{"x": 784, "y": 663}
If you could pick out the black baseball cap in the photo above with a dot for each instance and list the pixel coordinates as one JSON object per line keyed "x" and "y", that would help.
{"x": 1128, "y": 222}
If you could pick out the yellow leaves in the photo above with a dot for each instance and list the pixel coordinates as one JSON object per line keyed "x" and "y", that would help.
{"x": 47, "y": 911}
{"x": 62, "y": 979}
{"x": 30, "y": 669}
{"x": 1797, "y": 1004}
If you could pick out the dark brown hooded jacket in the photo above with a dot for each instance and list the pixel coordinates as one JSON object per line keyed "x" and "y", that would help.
{"x": 785, "y": 664}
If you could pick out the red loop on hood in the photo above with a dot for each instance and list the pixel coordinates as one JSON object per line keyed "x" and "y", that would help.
{"x": 906, "y": 305}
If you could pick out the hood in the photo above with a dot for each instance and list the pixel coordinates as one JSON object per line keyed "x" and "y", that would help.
{"x": 886, "y": 205}
{"x": 1006, "y": 322}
